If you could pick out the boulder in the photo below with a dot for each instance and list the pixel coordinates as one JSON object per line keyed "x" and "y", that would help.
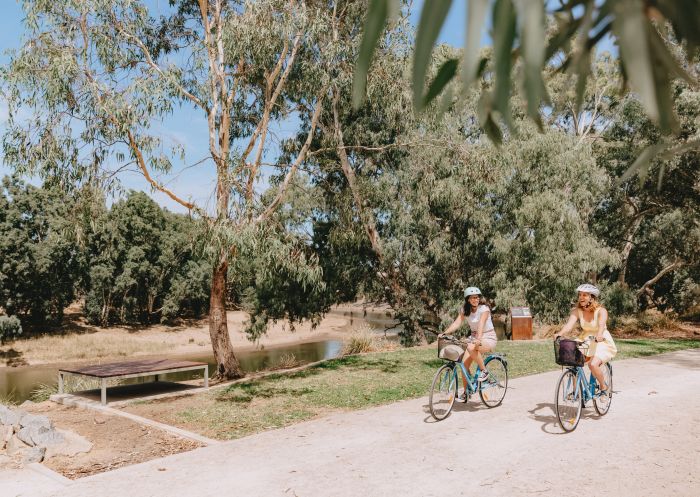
{"x": 35, "y": 454}
{"x": 15, "y": 445}
{"x": 72, "y": 445}
{"x": 6, "y": 433}
{"x": 25, "y": 435}
{"x": 8, "y": 416}
{"x": 47, "y": 438}
{"x": 35, "y": 421}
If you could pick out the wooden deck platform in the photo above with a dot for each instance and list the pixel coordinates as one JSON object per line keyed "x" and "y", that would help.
{"x": 132, "y": 369}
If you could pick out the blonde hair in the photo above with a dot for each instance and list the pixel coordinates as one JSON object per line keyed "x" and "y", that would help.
{"x": 594, "y": 305}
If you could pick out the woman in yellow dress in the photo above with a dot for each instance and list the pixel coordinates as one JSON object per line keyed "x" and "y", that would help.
{"x": 592, "y": 317}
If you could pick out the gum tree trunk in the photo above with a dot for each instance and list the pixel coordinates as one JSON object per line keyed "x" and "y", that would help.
{"x": 227, "y": 366}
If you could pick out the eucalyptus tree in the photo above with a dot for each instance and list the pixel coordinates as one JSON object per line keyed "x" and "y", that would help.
{"x": 97, "y": 76}
{"x": 653, "y": 223}
{"x": 518, "y": 32}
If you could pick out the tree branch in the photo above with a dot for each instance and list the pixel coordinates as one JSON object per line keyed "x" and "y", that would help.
{"x": 156, "y": 67}
{"x": 302, "y": 155}
{"x": 671, "y": 267}
{"x": 144, "y": 170}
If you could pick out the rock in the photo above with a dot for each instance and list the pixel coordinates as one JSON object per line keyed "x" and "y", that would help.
{"x": 32, "y": 420}
{"x": 100, "y": 419}
{"x": 72, "y": 445}
{"x": 8, "y": 416}
{"x": 4, "y": 460}
{"x": 25, "y": 435}
{"x": 35, "y": 454}
{"x": 27, "y": 403}
{"x": 6, "y": 433}
{"x": 47, "y": 438}
{"x": 15, "y": 445}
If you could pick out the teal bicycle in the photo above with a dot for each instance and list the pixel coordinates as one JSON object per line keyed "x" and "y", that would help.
{"x": 447, "y": 379}
{"x": 574, "y": 390}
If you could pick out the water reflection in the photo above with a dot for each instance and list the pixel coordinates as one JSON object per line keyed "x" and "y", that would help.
{"x": 18, "y": 383}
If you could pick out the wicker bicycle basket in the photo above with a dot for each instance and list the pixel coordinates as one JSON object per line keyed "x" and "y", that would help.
{"x": 567, "y": 353}
{"x": 449, "y": 349}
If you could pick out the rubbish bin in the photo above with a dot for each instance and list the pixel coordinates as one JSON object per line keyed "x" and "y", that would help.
{"x": 521, "y": 323}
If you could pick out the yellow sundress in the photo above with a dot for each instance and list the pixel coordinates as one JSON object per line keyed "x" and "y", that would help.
{"x": 605, "y": 350}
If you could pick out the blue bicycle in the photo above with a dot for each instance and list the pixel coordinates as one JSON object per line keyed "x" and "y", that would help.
{"x": 446, "y": 382}
{"x": 574, "y": 390}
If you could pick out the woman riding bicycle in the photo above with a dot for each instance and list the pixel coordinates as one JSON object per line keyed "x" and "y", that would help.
{"x": 592, "y": 317}
{"x": 478, "y": 315}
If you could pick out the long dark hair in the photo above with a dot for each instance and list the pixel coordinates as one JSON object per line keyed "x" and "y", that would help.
{"x": 467, "y": 306}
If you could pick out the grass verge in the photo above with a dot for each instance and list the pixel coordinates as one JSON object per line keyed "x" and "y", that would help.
{"x": 348, "y": 383}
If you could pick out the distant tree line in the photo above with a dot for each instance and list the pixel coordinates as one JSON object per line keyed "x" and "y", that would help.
{"x": 133, "y": 262}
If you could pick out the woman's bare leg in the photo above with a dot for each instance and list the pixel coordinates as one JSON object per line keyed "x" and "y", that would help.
{"x": 594, "y": 365}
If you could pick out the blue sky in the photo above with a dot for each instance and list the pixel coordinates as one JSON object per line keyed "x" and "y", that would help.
{"x": 188, "y": 127}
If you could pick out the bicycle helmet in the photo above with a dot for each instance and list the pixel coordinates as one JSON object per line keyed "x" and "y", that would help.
{"x": 588, "y": 288}
{"x": 472, "y": 290}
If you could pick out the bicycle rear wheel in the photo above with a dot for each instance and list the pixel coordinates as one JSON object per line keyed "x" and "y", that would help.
{"x": 568, "y": 401}
{"x": 493, "y": 391}
{"x": 602, "y": 402}
{"x": 443, "y": 392}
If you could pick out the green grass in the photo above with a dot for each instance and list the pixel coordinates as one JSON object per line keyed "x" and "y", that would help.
{"x": 348, "y": 383}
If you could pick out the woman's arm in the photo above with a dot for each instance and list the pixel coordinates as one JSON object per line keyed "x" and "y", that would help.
{"x": 602, "y": 324}
{"x": 455, "y": 325}
{"x": 568, "y": 326}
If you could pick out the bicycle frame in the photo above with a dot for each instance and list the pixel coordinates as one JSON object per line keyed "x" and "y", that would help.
{"x": 472, "y": 382}
{"x": 584, "y": 385}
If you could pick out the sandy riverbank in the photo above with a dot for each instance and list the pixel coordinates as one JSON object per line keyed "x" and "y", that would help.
{"x": 79, "y": 341}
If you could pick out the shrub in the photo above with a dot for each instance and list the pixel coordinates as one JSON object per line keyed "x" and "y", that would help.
{"x": 360, "y": 341}
{"x": 620, "y": 301}
{"x": 287, "y": 361}
{"x": 10, "y": 327}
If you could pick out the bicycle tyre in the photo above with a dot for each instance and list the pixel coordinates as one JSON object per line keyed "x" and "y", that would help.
{"x": 492, "y": 396}
{"x": 602, "y": 406}
{"x": 443, "y": 392}
{"x": 567, "y": 401}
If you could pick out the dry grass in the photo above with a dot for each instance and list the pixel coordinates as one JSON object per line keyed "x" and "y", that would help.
{"x": 650, "y": 324}
{"x": 65, "y": 348}
{"x": 71, "y": 384}
{"x": 364, "y": 339}
{"x": 286, "y": 361}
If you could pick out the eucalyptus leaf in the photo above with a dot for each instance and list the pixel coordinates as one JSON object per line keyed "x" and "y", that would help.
{"x": 432, "y": 18}
{"x": 476, "y": 20}
{"x": 445, "y": 74}
{"x": 376, "y": 19}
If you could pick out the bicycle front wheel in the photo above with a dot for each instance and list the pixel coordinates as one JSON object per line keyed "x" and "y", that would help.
{"x": 494, "y": 389}
{"x": 602, "y": 402}
{"x": 568, "y": 401}
{"x": 443, "y": 392}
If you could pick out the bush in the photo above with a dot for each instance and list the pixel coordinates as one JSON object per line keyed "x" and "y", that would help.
{"x": 10, "y": 328}
{"x": 364, "y": 339}
{"x": 286, "y": 361}
{"x": 360, "y": 341}
{"x": 653, "y": 322}
{"x": 620, "y": 301}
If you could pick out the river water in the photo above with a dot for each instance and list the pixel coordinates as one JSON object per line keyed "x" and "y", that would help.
{"x": 18, "y": 383}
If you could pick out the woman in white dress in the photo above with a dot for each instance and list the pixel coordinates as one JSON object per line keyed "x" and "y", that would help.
{"x": 592, "y": 317}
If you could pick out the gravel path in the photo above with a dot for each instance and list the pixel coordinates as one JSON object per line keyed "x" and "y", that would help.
{"x": 648, "y": 444}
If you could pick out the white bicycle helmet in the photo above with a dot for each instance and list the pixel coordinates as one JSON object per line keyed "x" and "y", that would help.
{"x": 588, "y": 288}
{"x": 472, "y": 290}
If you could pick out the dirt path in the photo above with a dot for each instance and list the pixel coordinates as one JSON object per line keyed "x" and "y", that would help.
{"x": 647, "y": 445}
